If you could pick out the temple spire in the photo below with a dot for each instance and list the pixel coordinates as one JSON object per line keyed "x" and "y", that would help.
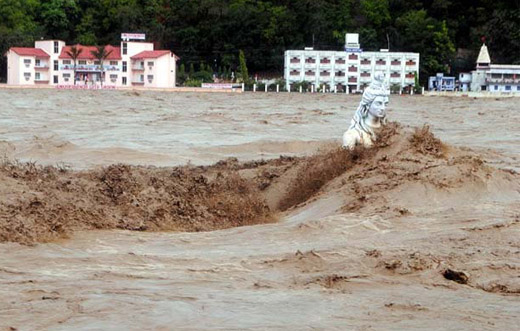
{"x": 483, "y": 60}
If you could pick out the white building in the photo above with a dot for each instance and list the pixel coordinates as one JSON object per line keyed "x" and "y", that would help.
{"x": 352, "y": 67}
{"x": 132, "y": 63}
{"x": 491, "y": 77}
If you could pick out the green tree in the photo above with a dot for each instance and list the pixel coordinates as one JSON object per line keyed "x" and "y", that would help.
{"x": 18, "y": 27}
{"x": 181, "y": 74}
{"x": 74, "y": 54}
{"x": 58, "y": 18}
{"x": 242, "y": 74}
{"x": 101, "y": 54}
{"x": 192, "y": 71}
{"x": 430, "y": 38}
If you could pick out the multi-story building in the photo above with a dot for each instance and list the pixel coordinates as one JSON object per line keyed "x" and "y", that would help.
{"x": 132, "y": 63}
{"x": 352, "y": 68}
{"x": 491, "y": 77}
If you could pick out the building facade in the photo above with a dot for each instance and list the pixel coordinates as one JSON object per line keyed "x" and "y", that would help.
{"x": 441, "y": 83}
{"x": 132, "y": 63}
{"x": 350, "y": 69}
{"x": 504, "y": 78}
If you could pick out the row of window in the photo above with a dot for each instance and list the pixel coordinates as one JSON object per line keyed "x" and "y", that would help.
{"x": 342, "y": 73}
{"x": 310, "y": 60}
{"x": 37, "y": 63}
{"x": 507, "y": 88}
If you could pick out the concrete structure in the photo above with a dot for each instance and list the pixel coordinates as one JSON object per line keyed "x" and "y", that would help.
{"x": 491, "y": 77}
{"x": 352, "y": 68}
{"x": 132, "y": 63}
{"x": 440, "y": 82}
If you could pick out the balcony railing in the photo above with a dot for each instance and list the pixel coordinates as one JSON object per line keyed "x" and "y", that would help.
{"x": 41, "y": 67}
{"x": 138, "y": 68}
{"x": 502, "y": 80}
{"x": 89, "y": 67}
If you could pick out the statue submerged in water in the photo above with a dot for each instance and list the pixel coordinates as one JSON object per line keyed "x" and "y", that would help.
{"x": 369, "y": 116}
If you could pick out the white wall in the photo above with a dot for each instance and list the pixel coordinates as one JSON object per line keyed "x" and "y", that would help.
{"x": 302, "y": 67}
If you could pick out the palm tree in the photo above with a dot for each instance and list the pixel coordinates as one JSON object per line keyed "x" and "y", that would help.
{"x": 74, "y": 53}
{"x": 101, "y": 55}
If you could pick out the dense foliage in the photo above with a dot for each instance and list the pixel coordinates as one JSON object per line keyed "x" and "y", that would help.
{"x": 447, "y": 33}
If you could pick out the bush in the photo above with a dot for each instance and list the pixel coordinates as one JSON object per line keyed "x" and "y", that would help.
{"x": 193, "y": 83}
{"x": 304, "y": 85}
{"x": 395, "y": 88}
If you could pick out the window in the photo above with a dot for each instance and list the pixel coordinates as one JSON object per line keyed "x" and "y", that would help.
{"x": 124, "y": 80}
{"x": 27, "y": 62}
{"x": 37, "y": 63}
{"x": 125, "y": 48}
{"x": 97, "y": 63}
{"x": 56, "y": 47}
{"x": 66, "y": 62}
{"x": 113, "y": 78}
{"x": 150, "y": 78}
{"x": 66, "y": 77}
{"x": 496, "y": 87}
{"x": 82, "y": 62}
{"x": 113, "y": 63}
{"x": 141, "y": 78}
{"x": 55, "y": 79}
{"x": 27, "y": 75}
{"x": 508, "y": 87}
{"x": 55, "y": 64}
{"x": 518, "y": 88}
{"x": 37, "y": 76}
{"x": 150, "y": 63}
{"x": 124, "y": 68}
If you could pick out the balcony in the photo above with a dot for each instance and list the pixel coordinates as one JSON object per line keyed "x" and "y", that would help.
{"x": 395, "y": 68}
{"x": 138, "y": 82}
{"x": 41, "y": 67}
{"x": 41, "y": 81}
{"x": 365, "y": 79}
{"x": 137, "y": 68}
{"x": 325, "y": 64}
{"x": 352, "y": 79}
{"x": 380, "y": 67}
{"x": 395, "y": 79}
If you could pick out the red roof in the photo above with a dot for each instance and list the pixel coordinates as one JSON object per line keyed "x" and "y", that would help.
{"x": 29, "y": 51}
{"x": 150, "y": 54}
{"x": 86, "y": 53}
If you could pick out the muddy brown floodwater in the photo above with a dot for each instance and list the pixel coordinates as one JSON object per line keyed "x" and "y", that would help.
{"x": 413, "y": 234}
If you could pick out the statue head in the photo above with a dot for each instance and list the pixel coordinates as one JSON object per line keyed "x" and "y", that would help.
{"x": 373, "y": 103}
{"x": 378, "y": 106}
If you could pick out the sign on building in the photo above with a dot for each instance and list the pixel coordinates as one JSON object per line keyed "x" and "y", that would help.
{"x": 133, "y": 36}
